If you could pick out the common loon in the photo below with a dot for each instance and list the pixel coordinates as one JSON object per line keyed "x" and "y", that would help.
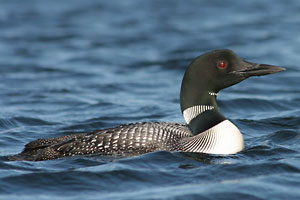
{"x": 206, "y": 129}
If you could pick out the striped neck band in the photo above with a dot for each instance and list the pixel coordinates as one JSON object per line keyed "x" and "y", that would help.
{"x": 213, "y": 93}
{"x": 192, "y": 112}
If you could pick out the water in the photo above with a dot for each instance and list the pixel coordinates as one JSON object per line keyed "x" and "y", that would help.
{"x": 73, "y": 66}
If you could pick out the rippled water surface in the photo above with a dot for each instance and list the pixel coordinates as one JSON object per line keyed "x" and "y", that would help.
{"x": 73, "y": 66}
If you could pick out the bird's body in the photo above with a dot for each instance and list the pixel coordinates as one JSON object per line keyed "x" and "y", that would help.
{"x": 206, "y": 129}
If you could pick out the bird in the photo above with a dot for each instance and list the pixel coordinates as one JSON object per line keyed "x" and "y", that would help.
{"x": 206, "y": 129}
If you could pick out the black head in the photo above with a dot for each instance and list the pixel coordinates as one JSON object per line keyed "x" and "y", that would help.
{"x": 216, "y": 70}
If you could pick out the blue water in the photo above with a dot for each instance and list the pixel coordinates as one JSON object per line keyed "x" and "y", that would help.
{"x": 73, "y": 66}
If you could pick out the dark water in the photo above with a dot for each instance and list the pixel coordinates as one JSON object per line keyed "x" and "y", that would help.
{"x": 72, "y": 66}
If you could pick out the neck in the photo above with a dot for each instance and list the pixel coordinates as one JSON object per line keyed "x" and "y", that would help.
{"x": 198, "y": 102}
{"x": 206, "y": 120}
{"x": 213, "y": 133}
{"x": 202, "y": 113}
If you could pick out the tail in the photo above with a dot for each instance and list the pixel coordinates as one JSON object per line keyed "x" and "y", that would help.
{"x": 44, "y": 149}
{"x": 35, "y": 154}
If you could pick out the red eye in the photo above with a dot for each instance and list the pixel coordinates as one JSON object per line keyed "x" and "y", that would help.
{"x": 222, "y": 65}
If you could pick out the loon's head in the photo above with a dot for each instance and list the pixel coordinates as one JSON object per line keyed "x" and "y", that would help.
{"x": 213, "y": 71}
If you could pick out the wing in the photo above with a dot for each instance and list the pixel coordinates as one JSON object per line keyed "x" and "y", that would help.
{"x": 128, "y": 139}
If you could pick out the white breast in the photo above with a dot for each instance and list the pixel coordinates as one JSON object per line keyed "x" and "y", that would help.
{"x": 224, "y": 138}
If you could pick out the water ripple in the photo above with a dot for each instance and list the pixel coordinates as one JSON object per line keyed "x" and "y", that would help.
{"x": 88, "y": 65}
